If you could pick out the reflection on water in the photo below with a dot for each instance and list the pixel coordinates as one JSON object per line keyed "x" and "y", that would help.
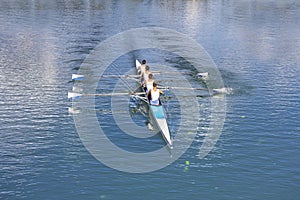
{"x": 256, "y": 46}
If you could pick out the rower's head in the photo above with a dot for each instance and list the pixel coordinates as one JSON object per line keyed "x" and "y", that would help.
{"x": 150, "y": 76}
{"x": 147, "y": 68}
{"x": 154, "y": 84}
{"x": 144, "y": 62}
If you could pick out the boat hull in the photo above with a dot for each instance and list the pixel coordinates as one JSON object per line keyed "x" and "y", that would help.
{"x": 158, "y": 116}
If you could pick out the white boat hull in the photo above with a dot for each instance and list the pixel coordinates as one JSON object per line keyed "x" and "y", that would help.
{"x": 158, "y": 116}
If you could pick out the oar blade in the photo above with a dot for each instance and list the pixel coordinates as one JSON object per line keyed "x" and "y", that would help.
{"x": 77, "y": 77}
{"x": 74, "y": 110}
{"x": 220, "y": 90}
{"x": 73, "y": 95}
{"x": 203, "y": 75}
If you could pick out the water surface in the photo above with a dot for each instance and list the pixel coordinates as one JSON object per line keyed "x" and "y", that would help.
{"x": 256, "y": 46}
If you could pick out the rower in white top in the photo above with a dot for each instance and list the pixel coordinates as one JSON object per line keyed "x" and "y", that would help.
{"x": 145, "y": 75}
{"x": 148, "y": 84}
{"x": 153, "y": 95}
{"x": 142, "y": 68}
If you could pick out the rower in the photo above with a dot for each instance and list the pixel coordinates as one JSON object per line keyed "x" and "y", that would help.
{"x": 148, "y": 84}
{"x": 154, "y": 94}
{"x": 145, "y": 75}
{"x": 142, "y": 68}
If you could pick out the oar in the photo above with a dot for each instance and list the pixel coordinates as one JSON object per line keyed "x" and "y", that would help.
{"x": 74, "y": 110}
{"x": 219, "y": 90}
{"x": 200, "y": 75}
{"x": 169, "y": 72}
{"x": 74, "y": 95}
{"x": 181, "y": 88}
{"x": 79, "y": 77}
{"x": 142, "y": 97}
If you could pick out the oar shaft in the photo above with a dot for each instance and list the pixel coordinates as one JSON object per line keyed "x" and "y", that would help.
{"x": 116, "y": 94}
{"x": 72, "y": 95}
{"x": 170, "y": 72}
{"x": 219, "y": 90}
{"x": 81, "y": 77}
{"x": 120, "y": 76}
{"x": 183, "y": 88}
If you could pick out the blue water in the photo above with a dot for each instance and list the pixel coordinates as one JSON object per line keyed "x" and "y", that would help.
{"x": 256, "y": 46}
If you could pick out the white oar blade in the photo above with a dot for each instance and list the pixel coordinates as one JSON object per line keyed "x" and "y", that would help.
{"x": 77, "y": 89}
{"x": 203, "y": 75}
{"x": 220, "y": 90}
{"x": 73, "y": 95}
{"x": 74, "y": 110}
{"x": 77, "y": 77}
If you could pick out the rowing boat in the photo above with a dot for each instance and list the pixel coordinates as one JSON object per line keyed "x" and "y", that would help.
{"x": 158, "y": 116}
